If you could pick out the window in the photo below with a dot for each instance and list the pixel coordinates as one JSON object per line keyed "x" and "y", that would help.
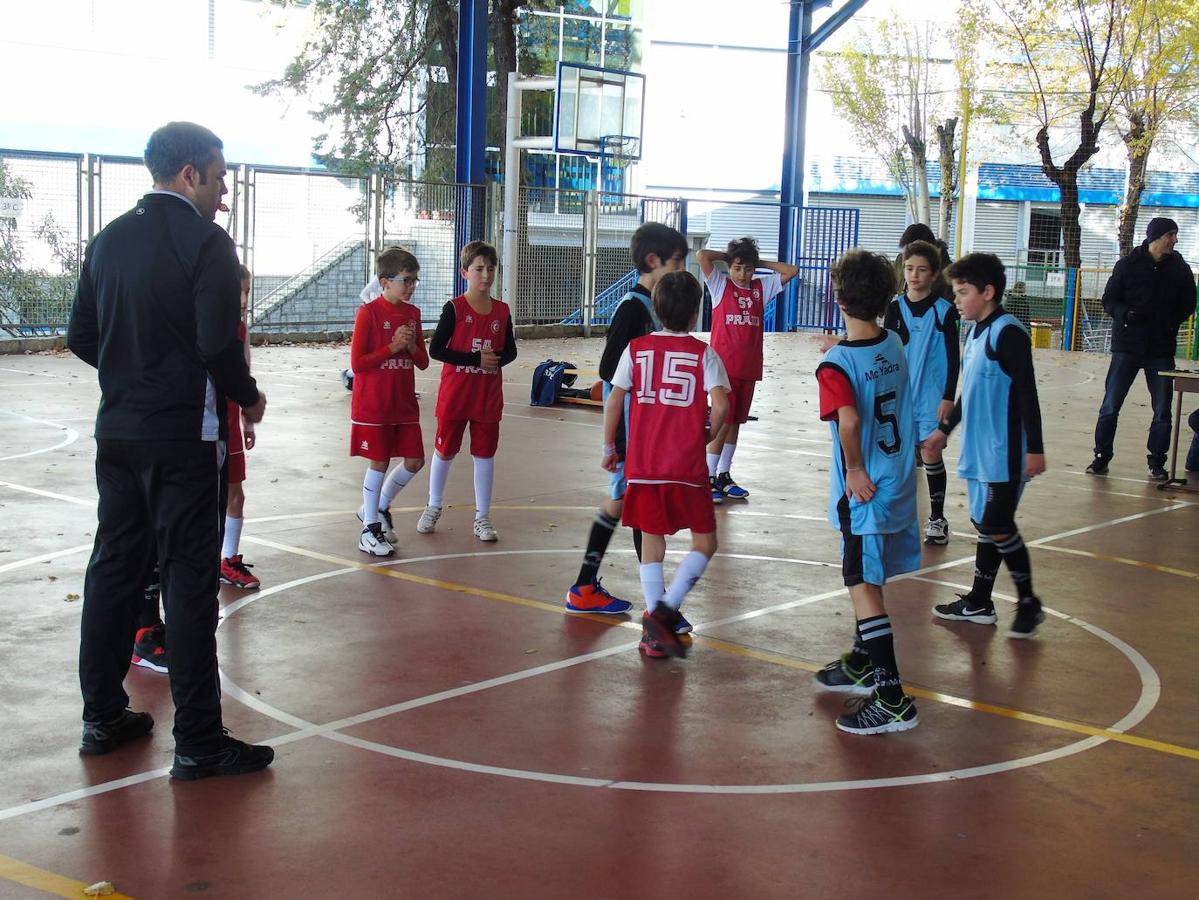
{"x": 1045, "y": 238}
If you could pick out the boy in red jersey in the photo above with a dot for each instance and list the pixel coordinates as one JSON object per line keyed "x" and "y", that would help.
{"x": 474, "y": 340}
{"x": 738, "y": 306}
{"x": 233, "y": 570}
{"x": 388, "y": 346}
{"x": 668, "y": 374}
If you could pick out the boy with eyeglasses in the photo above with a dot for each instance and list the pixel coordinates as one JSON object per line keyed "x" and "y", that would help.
{"x": 388, "y": 346}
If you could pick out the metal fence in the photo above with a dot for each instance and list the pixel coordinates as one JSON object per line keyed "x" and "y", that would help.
{"x": 310, "y": 238}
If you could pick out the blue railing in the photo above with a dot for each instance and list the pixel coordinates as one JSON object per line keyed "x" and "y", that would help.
{"x": 606, "y": 301}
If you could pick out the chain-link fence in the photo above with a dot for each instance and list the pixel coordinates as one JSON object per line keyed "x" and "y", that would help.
{"x": 41, "y": 209}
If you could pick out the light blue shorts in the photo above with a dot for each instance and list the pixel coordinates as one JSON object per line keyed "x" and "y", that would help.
{"x": 617, "y": 486}
{"x": 873, "y": 558}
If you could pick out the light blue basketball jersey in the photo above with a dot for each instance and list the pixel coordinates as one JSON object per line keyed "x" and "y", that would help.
{"x": 993, "y": 440}
{"x": 877, "y": 371}
{"x": 928, "y": 363}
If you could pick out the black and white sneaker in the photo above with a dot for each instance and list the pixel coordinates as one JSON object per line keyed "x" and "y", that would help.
{"x": 872, "y": 715}
{"x": 1098, "y": 466}
{"x": 936, "y": 531}
{"x": 840, "y": 676}
{"x": 234, "y": 758}
{"x": 372, "y": 541}
{"x": 1158, "y": 473}
{"x": 964, "y": 609}
{"x": 384, "y": 521}
{"x": 1028, "y": 617}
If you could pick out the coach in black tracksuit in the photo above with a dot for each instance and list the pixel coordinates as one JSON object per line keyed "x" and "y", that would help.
{"x": 156, "y": 312}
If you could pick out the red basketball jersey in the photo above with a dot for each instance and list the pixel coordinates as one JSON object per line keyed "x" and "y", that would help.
{"x": 737, "y": 329}
{"x": 669, "y": 406}
{"x": 385, "y": 393}
{"x": 468, "y": 392}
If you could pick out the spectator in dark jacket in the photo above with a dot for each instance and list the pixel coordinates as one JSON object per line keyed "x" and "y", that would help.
{"x": 1150, "y": 294}
{"x": 156, "y": 312}
{"x": 921, "y": 232}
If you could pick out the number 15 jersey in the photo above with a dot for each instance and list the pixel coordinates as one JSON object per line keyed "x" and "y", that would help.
{"x": 668, "y": 375}
{"x": 877, "y": 372}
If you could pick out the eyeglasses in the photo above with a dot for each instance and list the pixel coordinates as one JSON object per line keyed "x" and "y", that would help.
{"x": 413, "y": 280}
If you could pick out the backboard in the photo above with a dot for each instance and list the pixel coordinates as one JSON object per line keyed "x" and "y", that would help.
{"x": 593, "y": 105}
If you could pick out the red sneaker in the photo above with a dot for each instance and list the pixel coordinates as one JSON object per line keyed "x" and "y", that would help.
{"x": 149, "y": 648}
{"x": 660, "y": 625}
{"x": 237, "y": 573}
{"x": 649, "y": 647}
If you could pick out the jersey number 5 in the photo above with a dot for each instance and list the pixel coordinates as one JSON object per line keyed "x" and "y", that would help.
{"x": 678, "y": 384}
{"x": 883, "y": 417}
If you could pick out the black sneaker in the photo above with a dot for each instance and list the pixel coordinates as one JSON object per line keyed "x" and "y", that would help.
{"x": 964, "y": 609}
{"x": 872, "y": 715}
{"x": 234, "y": 758}
{"x": 730, "y": 488}
{"x": 103, "y": 737}
{"x": 1098, "y": 466}
{"x": 840, "y": 676}
{"x": 1028, "y": 617}
{"x": 1158, "y": 473}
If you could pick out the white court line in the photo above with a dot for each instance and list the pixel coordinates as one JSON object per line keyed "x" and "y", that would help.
{"x": 45, "y": 557}
{"x": 29, "y": 374}
{"x": 50, "y": 494}
{"x": 69, "y": 438}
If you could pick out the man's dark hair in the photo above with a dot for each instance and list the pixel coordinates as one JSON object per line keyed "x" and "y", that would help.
{"x": 916, "y": 232}
{"x": 658, "y": 239}
{"x": 474, "y": 250}
{"x": 677, "y": 297}
{"x": 177, "y": 144}
{"x": 930, "y": 252}
{"x": 246, "y": 276}
{"x": 744, "y": 249}
{"x": 980, "y": 269}
{"x": 865, "y": 284}
{"x": 394, "y": 260}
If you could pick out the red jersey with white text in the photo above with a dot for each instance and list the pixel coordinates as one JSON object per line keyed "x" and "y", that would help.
{"x": 384, "y": 382}
{"x": 469, "y": 392}
{"x": 668, "y": 376}
{"x": 737, "y": 329}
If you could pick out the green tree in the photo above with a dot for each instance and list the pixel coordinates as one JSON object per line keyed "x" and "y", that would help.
{"x": 1075, "y": 64}
{"x": 1160, "y": 97}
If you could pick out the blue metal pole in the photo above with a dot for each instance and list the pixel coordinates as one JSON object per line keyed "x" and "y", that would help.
{"x": 471, "y": 131}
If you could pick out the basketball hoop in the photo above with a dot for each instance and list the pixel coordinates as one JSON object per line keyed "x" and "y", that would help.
{"x": 620, "y": 150}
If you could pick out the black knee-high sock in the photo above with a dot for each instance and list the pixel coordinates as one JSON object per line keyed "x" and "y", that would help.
{"x": 935, "y": 473}
{"x": 637, "y": 542}
{"x": 880, "y": 644}
{"x": 1015, "y": 556}
{"x": 986, "y": 566}
{"x": 597, "y": 544}
{"x": 858, "y": 657}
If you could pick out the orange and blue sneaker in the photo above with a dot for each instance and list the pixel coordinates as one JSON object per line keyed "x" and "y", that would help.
{"x": 594, "y": 598}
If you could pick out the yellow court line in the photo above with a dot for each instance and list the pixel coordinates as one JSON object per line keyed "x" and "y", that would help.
{"x": 41, "y": 880}
{"x": 738, "y": 650}
{"x": 949, "y": 699}
{"x": 1153, "y": 567}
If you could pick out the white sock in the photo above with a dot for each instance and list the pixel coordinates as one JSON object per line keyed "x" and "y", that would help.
{"x": 371, "y": 482}
{"x": 652, "y": 580}
{"x": 439, "y": 474}
{"x": 713, "y": 460}
{"x": 232, "y": 537}
{"x": 726, "y": 459}
{"x": 689, "y": 572}
{"x": 396, "y": 479}
{"x": 484, "y": 475}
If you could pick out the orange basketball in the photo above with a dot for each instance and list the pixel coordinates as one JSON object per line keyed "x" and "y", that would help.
{"x": 597, "y": 391}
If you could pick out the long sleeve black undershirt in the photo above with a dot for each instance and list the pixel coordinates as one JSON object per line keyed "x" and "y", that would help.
{"x": 893, "y": 321}
{"x": 1013, "y": 352}
{"x": 439, "y": 345}
{"x": 630, "y": 321}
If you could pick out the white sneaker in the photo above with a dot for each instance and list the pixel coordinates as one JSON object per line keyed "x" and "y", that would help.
{"x": 384, "y": 521}
{"x": 936, "y": 532}
{"x": 373, "y": 542}
{"x": 428, "y": 520}
{"x": 485, "y": 531}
